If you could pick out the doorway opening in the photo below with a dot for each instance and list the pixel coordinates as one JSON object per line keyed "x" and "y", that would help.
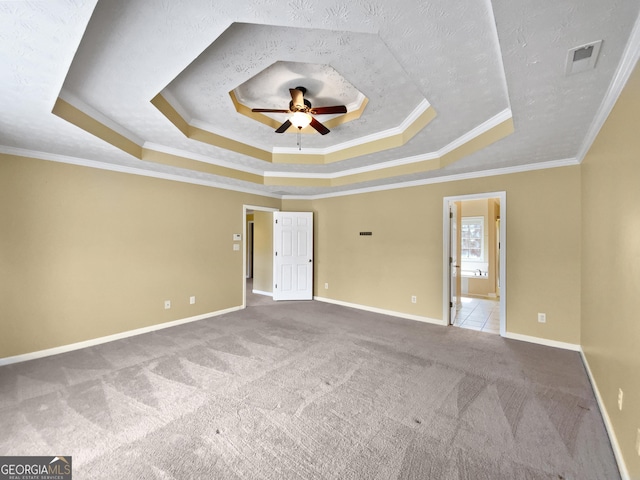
{"x": 474, "y": 261}
{"x": 257, "y": 262}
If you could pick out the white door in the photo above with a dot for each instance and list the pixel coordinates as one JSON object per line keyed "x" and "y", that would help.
{"x": 292, "y": 255}
{"x": 454, "y": 268}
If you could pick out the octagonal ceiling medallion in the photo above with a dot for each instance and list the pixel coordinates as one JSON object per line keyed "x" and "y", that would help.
{"x": 266, "y": 66}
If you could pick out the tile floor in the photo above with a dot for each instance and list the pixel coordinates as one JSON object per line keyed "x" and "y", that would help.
{"x": 479, "y": 314}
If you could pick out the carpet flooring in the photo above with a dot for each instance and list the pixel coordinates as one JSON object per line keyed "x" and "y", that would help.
{"x": 309, "y": 390}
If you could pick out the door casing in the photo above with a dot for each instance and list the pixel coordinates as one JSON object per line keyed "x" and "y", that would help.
{"x": 446, "y": 280}
{"x": 454, "y": 267}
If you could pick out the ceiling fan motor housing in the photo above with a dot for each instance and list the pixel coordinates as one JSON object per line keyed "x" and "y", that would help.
{"x": 294, "y": 108}
{"x": 300, "y": 105}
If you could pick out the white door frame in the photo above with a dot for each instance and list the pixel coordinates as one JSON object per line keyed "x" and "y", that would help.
{"x": 245, "y": 208}
{"x": 453, "y": 262}
{"x": 249, "y": 265}
{"x": 446, "y": 281}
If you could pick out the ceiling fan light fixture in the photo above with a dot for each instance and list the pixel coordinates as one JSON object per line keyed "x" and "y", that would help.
{"x": 300, "y": 120}
{"x": 301, "y": 112}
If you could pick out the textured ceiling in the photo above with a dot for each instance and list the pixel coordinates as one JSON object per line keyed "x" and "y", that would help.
{"x": 451, "y": 88}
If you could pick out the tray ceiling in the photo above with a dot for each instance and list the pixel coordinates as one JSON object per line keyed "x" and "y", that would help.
{"x": 434, "y": 89}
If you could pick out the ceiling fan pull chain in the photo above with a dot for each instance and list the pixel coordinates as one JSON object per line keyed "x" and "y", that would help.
{"x": 299, "y": 141}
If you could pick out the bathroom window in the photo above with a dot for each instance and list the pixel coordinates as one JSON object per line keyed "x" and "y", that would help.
{"x": 473, "y": 238}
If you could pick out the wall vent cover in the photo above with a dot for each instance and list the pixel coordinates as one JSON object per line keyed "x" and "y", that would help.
{"x": 582, "y": 58}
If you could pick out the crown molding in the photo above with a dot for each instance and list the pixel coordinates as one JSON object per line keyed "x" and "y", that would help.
{"x": 83, "y": 162}
{"x": 415, "y": 116}
{"x": 484, "y": 127}
{"x": 623, "y": 72}
{"x": 470, "y": 135}
{"x": 201, "y": 158}
{"x": 207, "y": 183}
{"x": 444, "y": 179}
{"x": 357, "y": 170}
{"x": 170, "y": 107}
{"x": 467, "y": 137}
{"x": 422, "y": 107}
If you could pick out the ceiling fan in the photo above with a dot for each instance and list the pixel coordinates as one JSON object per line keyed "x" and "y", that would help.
{"x": 301, "y": 112}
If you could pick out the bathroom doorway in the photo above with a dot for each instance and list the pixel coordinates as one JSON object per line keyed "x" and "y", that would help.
{"x": 476, "y": 261}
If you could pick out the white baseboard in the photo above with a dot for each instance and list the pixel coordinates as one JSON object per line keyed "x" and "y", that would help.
{"x": 109, "y": 338}
{"x": 393, "y": 313}
{"x": 624, "y": 473}
{"x": 260, "y": 292}
{"x": 543, "y": 341}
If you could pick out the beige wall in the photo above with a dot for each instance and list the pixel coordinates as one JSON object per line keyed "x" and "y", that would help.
{"x": 404, "y": 255}
{"x": 263, "y": 251}
{"x": 89, "y": 253}
{"x": 611, "y": 266}
{"x": 86, "y": 253}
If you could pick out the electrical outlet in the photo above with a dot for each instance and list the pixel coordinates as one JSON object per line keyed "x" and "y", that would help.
{"x": 167, "y": 304}
{"x": 620, "y": 398}
{"x": 542, "y": 318}
{"x": 326, "y": 286}
{"x": 414, "y": 299}
{"x": 192, "y": 300}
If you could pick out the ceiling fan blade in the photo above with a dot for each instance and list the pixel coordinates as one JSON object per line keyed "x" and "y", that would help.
{"x": 326, "y": 110}
{"x": 319, "y": 127}
{"x": 284, "y": 127}
{"x": 269, "y": 110}
{"x": 297, "y": 97}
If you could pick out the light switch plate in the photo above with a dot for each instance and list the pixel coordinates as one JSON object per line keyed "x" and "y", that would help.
{"x": 237, "y": 237}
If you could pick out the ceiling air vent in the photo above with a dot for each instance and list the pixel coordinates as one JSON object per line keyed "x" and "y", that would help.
{"x": 582, "y": 58}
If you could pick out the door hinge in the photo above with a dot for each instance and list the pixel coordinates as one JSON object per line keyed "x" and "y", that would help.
{"x": 276, "y": 221}
{"x": 276, "y": 285}
{"x": 450, "y": 214}
{"x": 450, "y": 304}
{"x": 450, "y": 259}
{"x": 276, "y": 254}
